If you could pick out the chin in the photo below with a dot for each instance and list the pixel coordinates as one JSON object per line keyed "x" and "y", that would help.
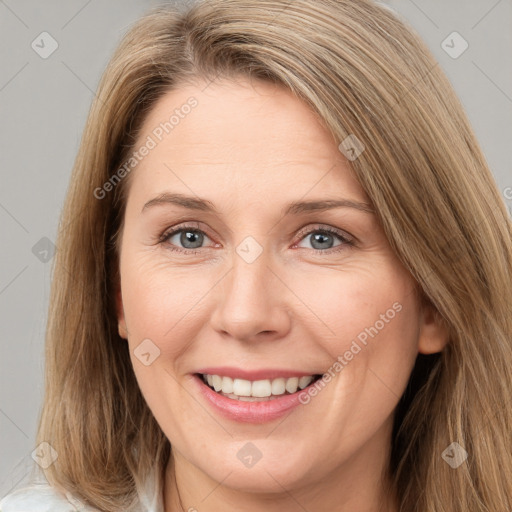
{"x": 271, "y": 476}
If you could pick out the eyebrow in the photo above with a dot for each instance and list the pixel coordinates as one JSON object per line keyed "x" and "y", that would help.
{"x": 295, "y": 208}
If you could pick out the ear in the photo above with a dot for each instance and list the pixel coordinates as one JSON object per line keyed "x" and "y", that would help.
{"x": 434, "y": 333}
{"x": 121, "y": 322}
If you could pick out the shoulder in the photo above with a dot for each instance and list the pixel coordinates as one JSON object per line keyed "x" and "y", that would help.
{"x": 35, "y": 494}
{"x": 40, "y": 498}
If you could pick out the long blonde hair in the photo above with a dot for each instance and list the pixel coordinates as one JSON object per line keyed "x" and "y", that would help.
{"x": 365, "y": 74}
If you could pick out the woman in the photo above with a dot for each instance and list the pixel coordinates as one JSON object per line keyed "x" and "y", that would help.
{"x": 255, "y": 369}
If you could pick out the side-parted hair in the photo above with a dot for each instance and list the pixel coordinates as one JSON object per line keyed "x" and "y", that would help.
{"x": 366, "y": 74}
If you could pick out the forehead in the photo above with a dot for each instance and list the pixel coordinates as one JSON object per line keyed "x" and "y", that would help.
{"x": 241, "y": 134}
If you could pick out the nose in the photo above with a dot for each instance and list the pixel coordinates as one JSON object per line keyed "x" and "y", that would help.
{"x": 251, "y": 302}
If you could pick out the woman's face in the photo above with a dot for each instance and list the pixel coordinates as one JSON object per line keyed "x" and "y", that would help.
{"x": 250, "y": 253}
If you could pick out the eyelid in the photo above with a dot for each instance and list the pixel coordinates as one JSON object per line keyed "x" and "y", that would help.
{"x": 346, "y": 238}
{"x": 192, "y": 226}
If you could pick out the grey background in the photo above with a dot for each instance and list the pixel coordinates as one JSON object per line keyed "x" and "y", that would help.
{"x": 43, "y": 106}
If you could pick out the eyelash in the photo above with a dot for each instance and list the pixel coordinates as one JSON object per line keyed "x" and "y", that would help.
{"x": 346, "y": 241}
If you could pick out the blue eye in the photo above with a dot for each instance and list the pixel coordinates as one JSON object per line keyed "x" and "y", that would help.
{"x": 324, "y": 239}
{"x": 190, "y": 239}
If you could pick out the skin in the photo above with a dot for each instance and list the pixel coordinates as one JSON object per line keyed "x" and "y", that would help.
{"x": 251, "y": 148}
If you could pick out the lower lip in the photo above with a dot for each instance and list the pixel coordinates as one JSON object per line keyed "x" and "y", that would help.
{"x": 249, "y": 412}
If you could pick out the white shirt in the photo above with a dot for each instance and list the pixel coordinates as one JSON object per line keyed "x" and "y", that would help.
{"x": 38, "y": 496}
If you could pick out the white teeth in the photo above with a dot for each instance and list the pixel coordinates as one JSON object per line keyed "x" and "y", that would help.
{"x": 217, "y": 382}
{"x": 291, "y": 384}
{"x": 247, "y": 390}
{"x": 227, "y": 385}
{"x": 242, "y": 387}
{"x": 248, "y": 398}
{"x": 261, "y": 388}
{"x": 278, "y": 386}
{"x": 305, "y": 381}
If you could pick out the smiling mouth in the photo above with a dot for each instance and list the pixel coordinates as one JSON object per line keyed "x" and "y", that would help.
{"x": 257, "y": 390}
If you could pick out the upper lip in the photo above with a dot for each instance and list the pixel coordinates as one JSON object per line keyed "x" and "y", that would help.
{"x": 261, "y": 374}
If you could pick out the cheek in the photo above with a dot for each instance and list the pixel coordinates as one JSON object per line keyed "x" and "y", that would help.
{"x": 358, "y": 302}
{"x": 162, "y": 303}
{"x": 369, "y": 329}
